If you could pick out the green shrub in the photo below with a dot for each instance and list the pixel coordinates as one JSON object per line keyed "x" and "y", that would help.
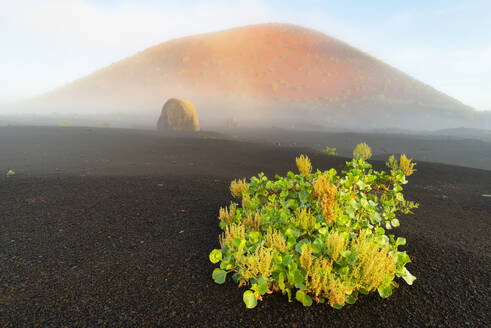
{"x": 330, "y": 151}
{"x": 105, "y": 124}
{"x": 316, "y": 236}
{"x": 64, "y": 123}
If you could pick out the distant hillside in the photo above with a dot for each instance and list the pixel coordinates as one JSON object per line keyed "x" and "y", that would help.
{"x": 270, "y": 72}
{"x": 479, "y": 134}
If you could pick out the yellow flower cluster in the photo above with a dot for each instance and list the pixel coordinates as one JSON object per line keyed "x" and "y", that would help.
{"x": 336, "y": 244}
{"x": 322, "y": 282}
{"x": 304, "y": 220}
{"x": 253, "y": 223}
{"x": 375, "y": 264}
{"x": 362, "y": 150}
{"x": 326, "y": 192}
{"x": 304, "y": 165}
{"x": 232, "y": 231}
{"x": 226, "y": 214}
{"x": 258, "y": 264}
{"x": 238, "y": 187}
{"x": 406, "y": 165}
{"x": 375, "y": 261}
{"x": 306, "y": 256}
{"x": 275, "y": 240}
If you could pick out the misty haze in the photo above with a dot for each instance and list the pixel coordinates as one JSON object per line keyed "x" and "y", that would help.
{"x": 336, "y": 166}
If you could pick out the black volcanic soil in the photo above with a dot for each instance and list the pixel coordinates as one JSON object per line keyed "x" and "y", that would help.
{"x": 462, "y": 147}
{"x": 112, "y": 227}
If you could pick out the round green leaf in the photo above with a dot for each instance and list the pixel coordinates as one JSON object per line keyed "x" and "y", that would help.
{"x": 219, "y": 275}
{"x": 298, "y": 277}
{"x": 379, "y": 231}
{"x": 401, "y": 241}
{"x": 263, "y": 286}
{"x": 215, "y": 256}
{"x": 351, "y": 299}
{"x": 303, "y": 298}
{"x": 385, "y": 291}
{"x": 407, "y": 276}
{"x": 249, "y": 299}
{"x": 338, "y": 306}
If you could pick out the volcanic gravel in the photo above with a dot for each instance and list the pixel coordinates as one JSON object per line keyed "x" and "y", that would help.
{"x": 112, "y": 227}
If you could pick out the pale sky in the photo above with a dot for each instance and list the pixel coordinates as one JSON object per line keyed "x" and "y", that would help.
{"x": 45, "y": 44}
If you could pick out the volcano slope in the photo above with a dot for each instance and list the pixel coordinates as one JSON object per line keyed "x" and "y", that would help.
{"x": 258, "y": 72}
{"x": 104, "y": 227}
